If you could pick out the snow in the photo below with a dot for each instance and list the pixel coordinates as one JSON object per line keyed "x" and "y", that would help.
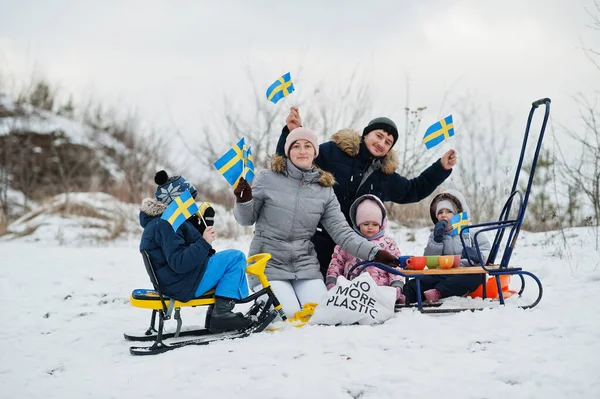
{"x": 92, "y": 219}
{"x": 77, "y": 219}
{"x": 66, "y": 308}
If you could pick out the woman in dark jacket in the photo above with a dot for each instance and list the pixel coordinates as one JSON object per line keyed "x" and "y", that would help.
{"x": 366, "y": 165}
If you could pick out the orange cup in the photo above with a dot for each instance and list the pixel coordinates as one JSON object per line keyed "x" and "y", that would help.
{"x": 446, "y": 261}
{"x": 416, "y": 262}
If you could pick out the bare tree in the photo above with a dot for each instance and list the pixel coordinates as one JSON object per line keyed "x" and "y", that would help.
{"x": 543, "y": 214}
{"x": 141, "y": 154}
{"x": 584, "y": 172}
{"x": 262, "y": 121}
{"x": 42, "y": 96}
{"x": 593, "y": 54}
{"x": 330, "y": 106}
{"x": 141, "y": 162}
{"x": 485, "y": 169}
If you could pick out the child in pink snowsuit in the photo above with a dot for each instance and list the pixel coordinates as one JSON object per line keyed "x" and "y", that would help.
{"x": 369, "y": 219}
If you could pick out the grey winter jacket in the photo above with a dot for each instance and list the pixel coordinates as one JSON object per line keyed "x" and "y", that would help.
{"x": 451, "y": 245}
{"x": 287, "y": 205}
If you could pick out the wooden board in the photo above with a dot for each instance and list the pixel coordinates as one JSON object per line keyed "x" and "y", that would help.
{"x": 454, "y": 270}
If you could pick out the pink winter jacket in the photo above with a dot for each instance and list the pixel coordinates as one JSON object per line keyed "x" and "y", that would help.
{"x": 342, "y": 261}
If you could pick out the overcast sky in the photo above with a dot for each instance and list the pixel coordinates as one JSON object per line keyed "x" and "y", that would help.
{"x": 146, "y": 54}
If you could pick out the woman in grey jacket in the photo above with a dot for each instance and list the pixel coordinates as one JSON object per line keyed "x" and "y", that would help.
{"x": 287, "y": 203}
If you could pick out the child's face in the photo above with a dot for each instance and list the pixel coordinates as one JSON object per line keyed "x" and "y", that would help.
{"x": 369, "y": 229}
{"x": 445, "y": 214}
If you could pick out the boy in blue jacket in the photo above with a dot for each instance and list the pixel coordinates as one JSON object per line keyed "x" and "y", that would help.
{"x": 185, "y": 263}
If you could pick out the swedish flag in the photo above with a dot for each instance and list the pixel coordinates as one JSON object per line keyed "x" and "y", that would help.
{"x": 282, "y": 87}
{"x": 180, "y": 209}
{"x": 235, "y": 162}
{"x": 439, "y": 132}
{"x": 249, "y": 164}
{"x": 458, "y": 222}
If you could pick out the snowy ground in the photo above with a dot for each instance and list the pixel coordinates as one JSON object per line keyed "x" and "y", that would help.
{"x": 66, "y": 309}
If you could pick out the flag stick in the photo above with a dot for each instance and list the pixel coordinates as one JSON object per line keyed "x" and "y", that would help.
{"x": 199, "y": 214}
{"x": 286, "y": 103}
{"x": 201, "y": 217}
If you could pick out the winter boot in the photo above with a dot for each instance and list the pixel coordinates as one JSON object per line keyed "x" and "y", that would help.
{"x": 209, "y": 313}
{"x": 400, "y": 297}
{"x": 223, "y": 319}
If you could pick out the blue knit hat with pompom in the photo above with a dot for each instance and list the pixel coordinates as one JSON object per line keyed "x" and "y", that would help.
{"x": 172, "y": 187}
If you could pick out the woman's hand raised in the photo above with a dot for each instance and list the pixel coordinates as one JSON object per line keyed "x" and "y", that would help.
{"x": 293, "y": 120}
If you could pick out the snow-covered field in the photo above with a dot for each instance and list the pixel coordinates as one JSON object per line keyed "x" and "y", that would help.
{"x": 66, "y": 308}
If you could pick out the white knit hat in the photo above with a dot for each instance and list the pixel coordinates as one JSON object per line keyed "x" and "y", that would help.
{"x": 445, "y": 204}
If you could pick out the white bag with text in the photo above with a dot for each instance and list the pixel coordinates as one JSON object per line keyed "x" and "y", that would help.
{"x": 359, "y": 301}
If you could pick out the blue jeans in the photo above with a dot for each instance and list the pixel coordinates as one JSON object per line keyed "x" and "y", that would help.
{"x": 226, "y": 272}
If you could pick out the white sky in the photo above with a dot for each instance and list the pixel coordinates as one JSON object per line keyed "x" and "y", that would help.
{"x": 145, "y": 55}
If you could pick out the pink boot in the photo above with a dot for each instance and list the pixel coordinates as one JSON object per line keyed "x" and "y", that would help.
{"x": 400, "y": 297}
{"x": 432, "y": 295}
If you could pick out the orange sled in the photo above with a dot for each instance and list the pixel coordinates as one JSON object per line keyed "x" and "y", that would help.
{"x": 492, "y": 288}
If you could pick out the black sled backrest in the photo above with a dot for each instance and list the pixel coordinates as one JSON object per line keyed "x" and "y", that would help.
{"x": 153, "y": 278}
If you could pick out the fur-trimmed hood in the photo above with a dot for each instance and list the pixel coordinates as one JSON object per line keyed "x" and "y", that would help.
{"x": 454, "y": 196}
{"x": 150, "y": 208}
{"x": 349, "y": 141}
{"x": 279, "y": 164}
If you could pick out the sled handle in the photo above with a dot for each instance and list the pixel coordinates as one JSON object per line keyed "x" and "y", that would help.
{"x": 256, "y": 265}
{"x": 541, "y": 101}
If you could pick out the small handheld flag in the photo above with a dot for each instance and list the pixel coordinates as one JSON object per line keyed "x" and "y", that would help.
{"x": 458, "y": 222}
{"x": 438, "y": 132}
{"x": 282, "y": 87}
{"x": 235, "y": 162}
{"x": 180, "y": 209}
{"x": 248, "y": 165}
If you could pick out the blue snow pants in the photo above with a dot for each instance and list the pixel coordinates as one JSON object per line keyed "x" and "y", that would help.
{"x": 226, "y": 272}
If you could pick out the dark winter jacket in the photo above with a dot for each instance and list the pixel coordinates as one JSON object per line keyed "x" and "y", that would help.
{"x": 348, "y": 159}
{"x": 179, "y": 257}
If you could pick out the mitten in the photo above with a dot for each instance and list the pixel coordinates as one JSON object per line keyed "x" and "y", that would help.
{"x": 470, "y": 253}
{"x": 383, "y": 256}
{"x": 197, "y": 224}
{"x": 438, "y": 231}
{"x": 243, "y": 191}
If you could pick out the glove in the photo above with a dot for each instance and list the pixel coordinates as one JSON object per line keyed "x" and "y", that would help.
{"x": 330, "y": 286}
{"x": 470, "y": 253}
{"x": 197, "y": 224}
{"x": 438, "y": 231}
{"x": 383, "y": 256}
{"x": 243, "y": 191}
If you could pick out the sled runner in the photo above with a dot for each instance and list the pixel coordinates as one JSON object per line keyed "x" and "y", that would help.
{"x": 163, "y": 306}
{"x": 504, "y": 223}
